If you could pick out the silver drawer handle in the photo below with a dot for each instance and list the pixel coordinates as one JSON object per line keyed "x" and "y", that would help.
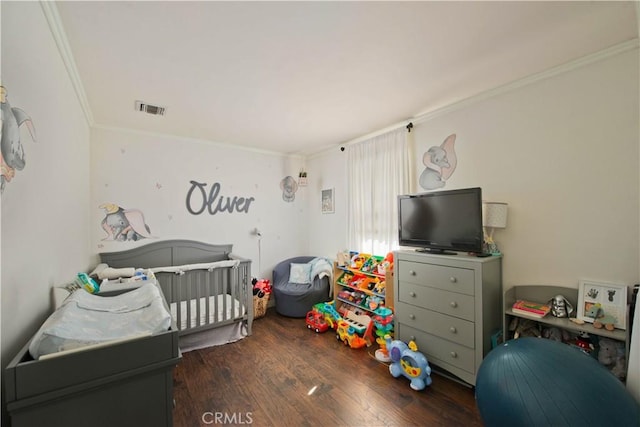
{"x": 411, "y": 272}
{"x": 453, "y": 304}
{"x": 453, "y": 330}
{"x": 453, "y": 279}
{"x": 454, "y": 354}
{"x": 412, "y": 316}
{"x": 412, "y": 294}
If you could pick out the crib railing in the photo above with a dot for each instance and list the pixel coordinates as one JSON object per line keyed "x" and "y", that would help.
{"x": 211, "y": 297}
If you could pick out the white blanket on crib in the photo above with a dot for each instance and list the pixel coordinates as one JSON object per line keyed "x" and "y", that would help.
{"x": 85, "y": 319}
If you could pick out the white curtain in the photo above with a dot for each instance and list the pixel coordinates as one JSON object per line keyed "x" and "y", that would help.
{"x": 379, "y": 169}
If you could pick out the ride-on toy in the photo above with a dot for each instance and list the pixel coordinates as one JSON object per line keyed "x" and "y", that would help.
{"x": 408, "y": 361}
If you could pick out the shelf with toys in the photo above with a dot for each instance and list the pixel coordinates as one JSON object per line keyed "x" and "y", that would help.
{"x": 597, "y": 342}
{"x": 364, "y": 282}
{"x": 363, "y": 288}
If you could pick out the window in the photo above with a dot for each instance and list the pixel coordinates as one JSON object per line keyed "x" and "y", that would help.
{"x": 379, "y": 169}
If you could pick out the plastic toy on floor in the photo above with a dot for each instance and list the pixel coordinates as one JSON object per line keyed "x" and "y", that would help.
{"x": 315, "y": 321}
{"x": 408, "y": 361}
{"x": 348, "y": 336}
{"x": 331, "y": 316}
{"x": 383, "y": 321}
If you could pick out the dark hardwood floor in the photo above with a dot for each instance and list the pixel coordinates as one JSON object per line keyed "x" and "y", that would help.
{"x": 287, "y": 375}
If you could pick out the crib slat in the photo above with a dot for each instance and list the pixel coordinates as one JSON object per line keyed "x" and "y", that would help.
{"x": 207, "y": 295}
{"x": 178, "y": 294}
{"x": 211, "y": 298}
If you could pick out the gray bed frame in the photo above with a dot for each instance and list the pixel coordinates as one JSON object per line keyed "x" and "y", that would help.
{"x": 113, "y": 385}
{"x": 122, "y": 384}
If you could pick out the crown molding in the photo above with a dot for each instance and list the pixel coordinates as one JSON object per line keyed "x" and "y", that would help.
{"x": 528, "y": 80}
{"x": 193, "y": 140}
{"x": 57, "y": 31}
{"x": 516, "y": 84}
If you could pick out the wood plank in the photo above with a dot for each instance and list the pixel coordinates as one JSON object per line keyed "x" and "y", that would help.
{"x": 285, "y": 374}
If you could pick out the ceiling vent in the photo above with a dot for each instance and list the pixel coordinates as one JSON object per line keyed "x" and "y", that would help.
{"x": 148, "y": 108}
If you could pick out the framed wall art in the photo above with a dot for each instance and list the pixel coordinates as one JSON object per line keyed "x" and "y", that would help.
{"x": 605, "y": 303}
{"x": 328, "y": 206}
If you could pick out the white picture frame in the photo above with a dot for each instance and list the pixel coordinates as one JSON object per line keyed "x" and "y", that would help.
{"x": 327, "y": 201}
{"x": 612, "y": 300}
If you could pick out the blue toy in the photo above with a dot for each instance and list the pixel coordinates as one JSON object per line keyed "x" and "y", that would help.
{"x": 88, "y": 283}
{"x": 408, "y": 361}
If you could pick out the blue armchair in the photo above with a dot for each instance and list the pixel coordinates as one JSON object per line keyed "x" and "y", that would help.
{"x": 296, "y": 299}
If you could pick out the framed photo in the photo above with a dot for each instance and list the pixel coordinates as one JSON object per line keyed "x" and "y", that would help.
{"x": 328, "y": 206}
{"x": 605, "y": 302}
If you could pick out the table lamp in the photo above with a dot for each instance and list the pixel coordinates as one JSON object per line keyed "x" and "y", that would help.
{"x": 494, "y": 215}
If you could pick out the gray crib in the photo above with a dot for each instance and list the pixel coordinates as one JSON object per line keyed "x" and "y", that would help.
{"x": 206, "y": 285}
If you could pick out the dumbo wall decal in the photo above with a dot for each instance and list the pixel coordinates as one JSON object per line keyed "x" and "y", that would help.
{"x": 124, "y": 224}
{"x": 12, "y": 156}
{"x": 440, "y": 162}
{"x": 289, "y": 186}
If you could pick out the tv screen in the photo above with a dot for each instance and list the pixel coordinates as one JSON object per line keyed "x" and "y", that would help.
{"x": 442, "y": 221}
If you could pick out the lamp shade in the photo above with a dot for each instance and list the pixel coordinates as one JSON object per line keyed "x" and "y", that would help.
{"x": 494, "y": 214}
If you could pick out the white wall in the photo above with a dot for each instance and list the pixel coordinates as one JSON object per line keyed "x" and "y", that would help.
{"x": 562, "y": 151}
{"x": 45, "y": 217}
{"x": 327, "y": 232}
{"x": 153, "y": 173}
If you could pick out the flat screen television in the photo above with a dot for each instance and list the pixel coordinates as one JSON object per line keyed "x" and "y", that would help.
{"x": 442, "y": 222}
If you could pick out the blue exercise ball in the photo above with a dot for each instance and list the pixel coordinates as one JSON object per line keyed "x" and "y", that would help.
{"x": 539, "y": 382}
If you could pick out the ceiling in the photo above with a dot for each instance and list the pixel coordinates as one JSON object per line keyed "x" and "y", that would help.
{"x": 298, "y": 77}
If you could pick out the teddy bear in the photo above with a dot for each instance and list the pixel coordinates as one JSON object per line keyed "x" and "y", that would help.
{"x": 524, "y": 328}
{"x": 611, "y": 355}
{"x": 556, "y": 334}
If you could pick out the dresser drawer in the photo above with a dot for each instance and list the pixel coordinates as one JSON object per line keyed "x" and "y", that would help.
{"x": 436, "y": 276}
{"x": 451, "y": 303}
{"x": 437, "y": 349}
{"x": 450, "y": 328}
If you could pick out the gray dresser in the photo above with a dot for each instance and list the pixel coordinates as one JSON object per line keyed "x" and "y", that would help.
{"x": 450, "y": 306}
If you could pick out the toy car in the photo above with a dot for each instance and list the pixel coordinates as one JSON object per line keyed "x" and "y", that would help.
{"x": 348, "y": 336}
{"x": 315, "y": 321}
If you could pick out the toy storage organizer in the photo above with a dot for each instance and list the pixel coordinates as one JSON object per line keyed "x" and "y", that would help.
{"x": 363, "y": 284}
{"x": 364, "y": 287}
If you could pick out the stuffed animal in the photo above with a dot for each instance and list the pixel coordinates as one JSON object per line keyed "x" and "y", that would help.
{"x": 524, "y": 328}
{"x": 583, "y": 342}
{"x": 611, "y": 355}
{"x": 556, "y": 334}
{"x": 600, "y": 318}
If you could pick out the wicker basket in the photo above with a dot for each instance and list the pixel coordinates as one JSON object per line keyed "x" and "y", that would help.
{"x": 260, "y": 305}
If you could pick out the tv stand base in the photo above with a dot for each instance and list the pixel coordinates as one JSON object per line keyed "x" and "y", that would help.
{"x": 435, "y": 251}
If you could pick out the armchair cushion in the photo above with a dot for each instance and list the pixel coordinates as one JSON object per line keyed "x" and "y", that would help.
{"x": 300, "y": 273}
